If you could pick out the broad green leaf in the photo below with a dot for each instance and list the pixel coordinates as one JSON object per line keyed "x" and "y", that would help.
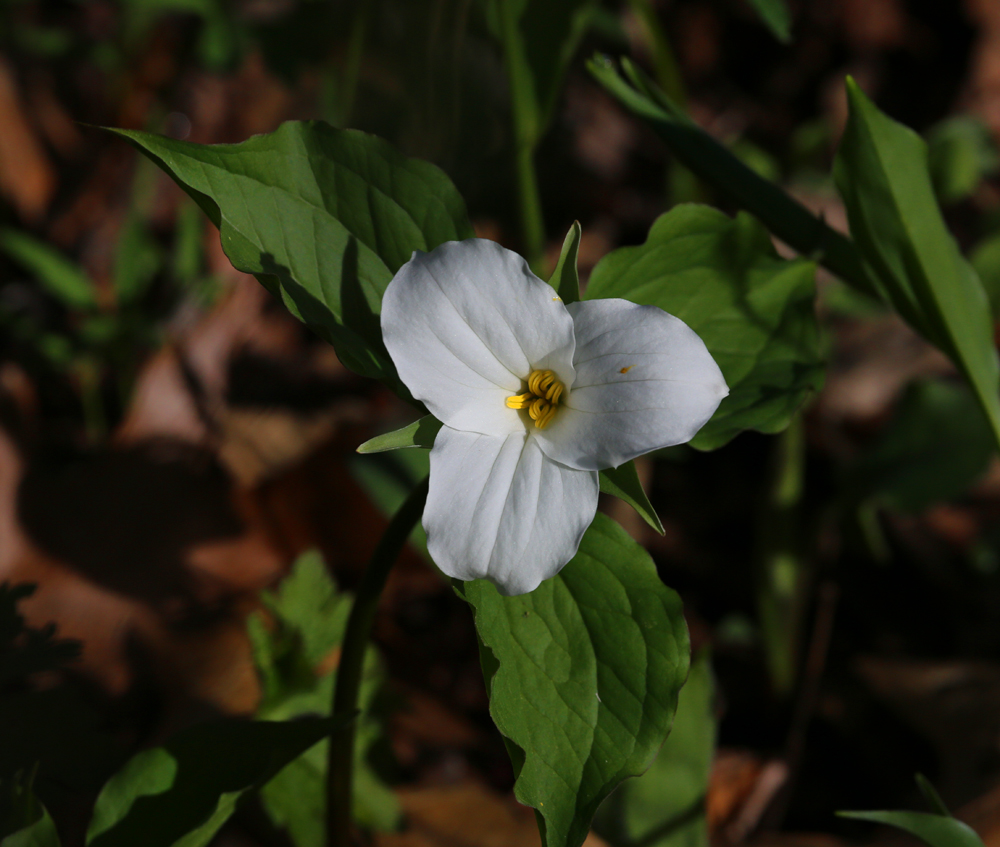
{"x": 934, "y": 448}
{"x": 323, "y": 217}
{"x": 665, "y": 807}
{"x": 60, "y": 277}
{"x": 753, "y": 310}
{"x": 881, "y": 173}
{"x": 565, "y": 279}
{"x": 775, "y": 14}
{"x": 182, "y": 793}
{"x": 788, "y": 219}
{"x": 623, "y": 483}
{"x": 583, "y": 675}
{"x": 960, "y": 154}
{"x": 935, "y": 830}
{"x": 420, "y": 433}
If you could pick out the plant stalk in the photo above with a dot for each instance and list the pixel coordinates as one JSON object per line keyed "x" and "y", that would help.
{"x": 782, "y": 574}
{"x": 525, "y": 117}
{"x": 340, "y": 757}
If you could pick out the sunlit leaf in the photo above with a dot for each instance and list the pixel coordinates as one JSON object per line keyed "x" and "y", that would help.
{"x": 583, "y": 675}
{"x": 323, "y": 217}
{"x": 881, "y": 172}
{"x": 753, "y": 310}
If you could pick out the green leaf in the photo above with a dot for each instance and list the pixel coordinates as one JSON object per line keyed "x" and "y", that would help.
{"x": 934, "y": 448}
{"x": 323, "y": 217}
{"x": 583, "y": 675}
{"x": 881, "y": 173}
{"x": 788, "y": 219}
{"x": 182, "y": 793}
{"x": 420, "y": 433}
{"x": 665, "y": 807}
{"x": 623, "y": 483}
{"x": 777, "y": 18}
{"x": 59, "y": 276}
{"x": 935, "y": 830}
{"x": 754, "y": 311}
{"x": 565, "y": 279}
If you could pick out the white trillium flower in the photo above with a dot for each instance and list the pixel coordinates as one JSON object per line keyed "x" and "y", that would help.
{"x": 536, "y": 397}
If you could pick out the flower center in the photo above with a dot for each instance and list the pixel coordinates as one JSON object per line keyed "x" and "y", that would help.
{"x": 541, "y": 398}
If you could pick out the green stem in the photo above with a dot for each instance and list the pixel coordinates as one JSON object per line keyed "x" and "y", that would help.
{"x": 352, "y": 67}
{"x": 524, "y": 116}
{"x": 340, "y": 759}
{"x": 781, "y": 570}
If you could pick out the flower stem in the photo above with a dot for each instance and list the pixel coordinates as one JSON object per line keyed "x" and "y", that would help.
{"x": 782, "y": 570}
{"x": 524, "y": 110}
{"x": 340, "y": 758}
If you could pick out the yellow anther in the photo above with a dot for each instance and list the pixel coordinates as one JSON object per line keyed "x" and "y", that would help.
{"x": 626, "y": 370}
{"x": 542, "y": 398}
{"x": 520, "y": 401}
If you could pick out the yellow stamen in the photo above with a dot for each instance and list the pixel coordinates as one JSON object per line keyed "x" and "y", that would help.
{"x": 542, "y": 398}
{"x": 626, "y": 370}
{"x": 520, "y": 401}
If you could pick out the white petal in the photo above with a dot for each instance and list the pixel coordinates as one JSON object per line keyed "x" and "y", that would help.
{"x": 465, "y": 324}
{"x": 499, "y": 508}
{"x": 644, "y": 380}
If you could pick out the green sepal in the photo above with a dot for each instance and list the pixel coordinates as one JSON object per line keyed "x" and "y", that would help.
{"x": 565, "y": 278}
{"x": 420, "y": 433}
{"x": 623, "y": 482}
